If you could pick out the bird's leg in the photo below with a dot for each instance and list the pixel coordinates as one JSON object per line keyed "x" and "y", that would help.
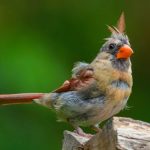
{"x": 96, "y": 128}
{"x": 80, "y": 132}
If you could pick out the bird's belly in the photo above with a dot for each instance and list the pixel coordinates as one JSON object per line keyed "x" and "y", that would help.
{"x": 110, "y": 109}
{"x": 117, "y": 95}
{"x": 93, "y": 111}
{"x": 104, "y": 113}
{"x": 98, "y": 115}
{"x": 114, "y": 102}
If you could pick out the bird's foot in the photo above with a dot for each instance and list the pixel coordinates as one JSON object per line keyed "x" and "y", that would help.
{"x": 80, "y": 132}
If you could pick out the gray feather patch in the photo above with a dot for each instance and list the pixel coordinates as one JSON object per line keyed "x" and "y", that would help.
{"x": 78, "y": 67}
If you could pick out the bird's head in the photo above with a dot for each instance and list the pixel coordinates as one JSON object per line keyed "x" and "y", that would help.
{"x": 117, "y": 45}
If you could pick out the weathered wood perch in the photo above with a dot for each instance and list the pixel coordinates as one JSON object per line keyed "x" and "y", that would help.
{"x": 118, "y": 134}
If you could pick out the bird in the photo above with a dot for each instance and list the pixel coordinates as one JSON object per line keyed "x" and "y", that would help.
{"x": 97, "y": 90}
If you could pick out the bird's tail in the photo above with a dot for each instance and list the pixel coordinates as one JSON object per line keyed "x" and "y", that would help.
{"x": 46, "y": 100}
{"x": 23, "y": 98}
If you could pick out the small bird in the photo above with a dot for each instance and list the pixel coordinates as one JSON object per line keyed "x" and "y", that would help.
{"x": 97, "y": 90}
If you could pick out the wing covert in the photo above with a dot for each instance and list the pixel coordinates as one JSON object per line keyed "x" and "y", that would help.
{"x": 82, "y": 77}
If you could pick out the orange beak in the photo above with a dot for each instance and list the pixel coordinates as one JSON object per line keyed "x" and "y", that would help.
{"x": 124, "y": 52}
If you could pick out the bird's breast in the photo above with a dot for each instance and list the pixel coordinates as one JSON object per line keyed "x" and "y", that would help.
{"x": 108, "y": 77}
{"x": 118, "y": 90}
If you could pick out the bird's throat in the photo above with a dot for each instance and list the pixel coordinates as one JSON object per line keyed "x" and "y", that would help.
{"x": 121, "y": 64}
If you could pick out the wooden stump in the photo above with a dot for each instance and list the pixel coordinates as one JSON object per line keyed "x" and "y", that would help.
{"x": 118, "y": 134}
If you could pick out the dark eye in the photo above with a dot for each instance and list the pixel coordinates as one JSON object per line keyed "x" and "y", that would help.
{"x": 112, "y": 46}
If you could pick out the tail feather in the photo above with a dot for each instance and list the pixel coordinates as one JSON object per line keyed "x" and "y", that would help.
{"x": 23, "y": 98}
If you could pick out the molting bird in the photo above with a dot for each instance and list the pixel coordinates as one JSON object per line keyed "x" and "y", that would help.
{"x": 96, "y": 90}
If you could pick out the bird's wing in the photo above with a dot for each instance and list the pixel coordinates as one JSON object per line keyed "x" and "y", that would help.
{"x": 82, "y": 77}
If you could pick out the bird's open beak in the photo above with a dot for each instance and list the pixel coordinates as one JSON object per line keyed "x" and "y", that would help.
{"x": 125, "y": 52}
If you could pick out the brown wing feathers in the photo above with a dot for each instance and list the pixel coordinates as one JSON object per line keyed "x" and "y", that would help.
{"x": 83, "y": 79}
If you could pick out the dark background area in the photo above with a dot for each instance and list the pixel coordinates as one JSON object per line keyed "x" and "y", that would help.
{"x": 39, "y": 43}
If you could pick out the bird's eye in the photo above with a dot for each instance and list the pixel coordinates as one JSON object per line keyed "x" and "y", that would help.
{"x": 112, "y": 46}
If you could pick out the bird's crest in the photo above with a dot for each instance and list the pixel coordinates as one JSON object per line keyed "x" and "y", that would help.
{"x": 120, "y": 26}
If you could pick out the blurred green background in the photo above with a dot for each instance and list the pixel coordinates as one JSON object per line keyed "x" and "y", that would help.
{"x": 39, "y": 42}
